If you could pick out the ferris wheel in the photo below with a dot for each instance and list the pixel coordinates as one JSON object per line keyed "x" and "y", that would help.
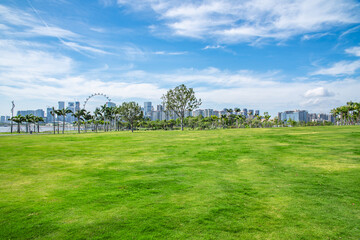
{"x": 96, "y": 94}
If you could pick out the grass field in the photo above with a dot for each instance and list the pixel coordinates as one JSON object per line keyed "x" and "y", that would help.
{"x": 285, "y": 183}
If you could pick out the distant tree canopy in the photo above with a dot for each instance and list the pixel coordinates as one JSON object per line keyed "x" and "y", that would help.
{"x": 131, "y": 112}
{"x": 347, "y": 114}
{"x": 180, "y": 100}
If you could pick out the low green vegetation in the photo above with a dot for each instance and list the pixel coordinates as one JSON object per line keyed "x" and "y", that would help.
{"x": 269, "y": 183}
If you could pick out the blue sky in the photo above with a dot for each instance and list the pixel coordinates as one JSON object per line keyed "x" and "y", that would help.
{"x": 271, "y": 55}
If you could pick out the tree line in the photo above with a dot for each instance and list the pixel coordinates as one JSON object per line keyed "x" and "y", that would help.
{"x": 348, "y": 114}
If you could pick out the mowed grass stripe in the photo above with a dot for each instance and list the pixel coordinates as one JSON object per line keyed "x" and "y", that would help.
{"x": 286, "y": 183}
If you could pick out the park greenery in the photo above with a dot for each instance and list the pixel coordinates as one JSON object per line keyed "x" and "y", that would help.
{"x": 180, "y": 100}
{"x": 348, "y": 114}
{"x": 269, "y": 183}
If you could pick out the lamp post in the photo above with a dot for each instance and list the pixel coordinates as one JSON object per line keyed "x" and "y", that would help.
{"x": 12, "y": 115}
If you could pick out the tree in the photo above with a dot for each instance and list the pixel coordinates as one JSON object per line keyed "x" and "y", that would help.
{"x": 87, "y": 118}
{"x": 131, "y": 112}
{"x": 53, "y": 113}
{"x": 79, "y": 116}
{"x": 180, "y": 100}
{"x": 29, "y": 118}
{"x": 267, "y": 117}
{"x": 18, "y": 119}
{"x": 37, "y": 120}
{"x": 63, "y": 112}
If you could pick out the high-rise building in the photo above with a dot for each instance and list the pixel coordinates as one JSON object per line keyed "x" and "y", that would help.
{"x": 2, "y": 119}
{"x": 321, "y": 117}
{"x": 159, "y": 107}
{"x": 147, "y": 108}
{"x": 61, "y": 105}
{"x": 69, "y": 117}
{"x": 257, "y": 112}
{"x": 244, "y": 112}
{"x": 208, "y": 112}
{"x": 25, "y": 112}
{"x": 77, "y": 106}
{"x": 49, "y": 117}
{"x": 39, "y": 113}
{"x": 198, "y": 112}
{"x": 216, "y": 113}
{"x": 297, "y": 115}
{"x": 110, "y": 104}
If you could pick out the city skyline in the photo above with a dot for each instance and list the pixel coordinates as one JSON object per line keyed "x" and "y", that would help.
{"x": 274, "y": 56}
{"x": 158, "y": 113}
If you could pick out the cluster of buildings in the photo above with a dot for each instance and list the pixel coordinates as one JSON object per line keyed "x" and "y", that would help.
{"x": 47, "y": 116}
{"x": 304, "y": 116}
{"x": 159, "y": 112}
{"x": 4, "y": 119}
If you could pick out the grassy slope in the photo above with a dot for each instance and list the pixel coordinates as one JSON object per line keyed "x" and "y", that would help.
{"x": 290, "y": 183}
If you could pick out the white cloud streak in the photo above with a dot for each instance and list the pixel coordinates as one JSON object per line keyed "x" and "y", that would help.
{"x": 251, "y": 20}
{"x": 339, "y": 68}
{"x": 353, "y": 51}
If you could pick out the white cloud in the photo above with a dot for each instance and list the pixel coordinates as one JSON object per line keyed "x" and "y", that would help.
{"x": 169, "y": 53}
{"x": 314, "y": 36}
{"x": 16, "y": 17}
{"x": 353, "y": 51}
{"x": 231, "y": 21}
{"x": 52, "y": 32}
{"x": 107, "y": 3}
{"x": 18, "y": 58}
{"x": 79, "y": 47}
{"x": 318, "y": 92}
{"x": 213, "y": 47}
{"x": 339, "y": 68}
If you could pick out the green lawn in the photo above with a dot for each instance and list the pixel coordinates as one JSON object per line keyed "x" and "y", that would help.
{"x": 285, "y": 183}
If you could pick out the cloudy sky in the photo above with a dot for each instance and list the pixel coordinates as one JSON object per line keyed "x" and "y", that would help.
{"x": 272, "y": 55}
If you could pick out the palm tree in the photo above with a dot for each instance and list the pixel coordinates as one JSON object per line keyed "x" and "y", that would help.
{"x": 63, "y": 112}
{"x": 79, "y": 116}
{"x": 37, "y": 120}
{"x": 267, "y": 117}
{"x": 53, "y": 113}
{"x": 223, "y": 120}
{"x": 97, "y": 118}
{"x": 87, "y": 117}
{"x": 29, "y": 118}
{"x": 104, "y": 112}
{"x": 18, "y": 119}
{"x": 334, "y": 112}
{"x": 214, "y": 119}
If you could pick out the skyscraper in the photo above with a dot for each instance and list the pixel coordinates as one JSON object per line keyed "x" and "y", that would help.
{"x": 39, "y": 113}
{"x": 69, "y": 117}
{"x": 297, "y": 115}
{"x": 110, "y": 104}
{"x": 61, "y": 105}
{"x": 49, "y": 117}
{"x": 159, "y": 107}
{"x": 244, "y": 112}
{"x": 147, "y": 108}
{"x": 208, "y": 112}
{"x": 77, "y": 106}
